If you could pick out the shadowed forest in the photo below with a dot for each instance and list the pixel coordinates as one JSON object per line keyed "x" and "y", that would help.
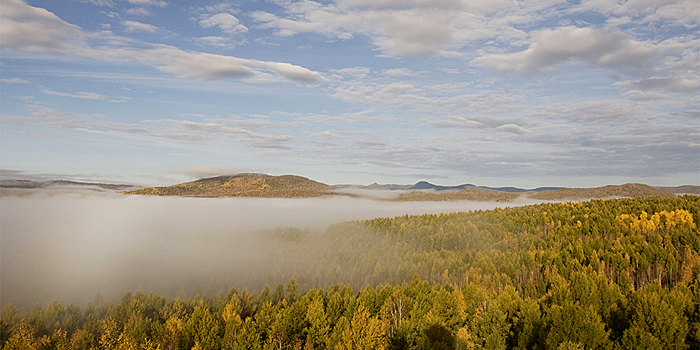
{"x": 602, "y": 274}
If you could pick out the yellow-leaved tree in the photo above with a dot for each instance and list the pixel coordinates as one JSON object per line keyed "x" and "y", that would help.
{"x": 364, "y": 332}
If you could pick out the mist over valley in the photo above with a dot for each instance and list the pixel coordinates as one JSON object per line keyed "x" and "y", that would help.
{"x": 349, "y": 174}
{"x": 72, "y": 246}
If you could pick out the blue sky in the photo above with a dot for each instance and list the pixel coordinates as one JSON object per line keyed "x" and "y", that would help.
{"x": 490, "y": 92}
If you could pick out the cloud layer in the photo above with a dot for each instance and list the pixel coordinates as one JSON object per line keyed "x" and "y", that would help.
{"x": 386, "y": 90}
{"x": 33, "y": 29}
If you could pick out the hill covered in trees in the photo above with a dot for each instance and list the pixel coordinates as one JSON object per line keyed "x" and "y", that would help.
{"x": 602, "y": 274}
{"x": 459, "y": 195}
{"x": 611, "y": 191}
{"x": 685, "y": 189}
{"x": 242, "y": 185}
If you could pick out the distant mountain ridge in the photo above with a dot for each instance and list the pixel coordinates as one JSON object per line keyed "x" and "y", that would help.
{"x": 685, "y": 189}
{"x": 469, "y": 194}
{"x": 425, "y": 185}
{"x": 629, "y": 190}
{"x": 293, "y": 186}
{"x": 33, "y": 184}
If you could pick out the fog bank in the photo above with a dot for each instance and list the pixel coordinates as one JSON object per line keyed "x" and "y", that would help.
{"x": 73, "y": 246}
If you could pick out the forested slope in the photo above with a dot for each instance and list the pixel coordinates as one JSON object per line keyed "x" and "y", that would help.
{"x": 242, "y": 185}
{"x": 610, "y": 191}
{"x": 604, "y": 274}
{"x": 459, "y": 195}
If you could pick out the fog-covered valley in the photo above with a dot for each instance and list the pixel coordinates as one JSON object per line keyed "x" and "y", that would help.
{"x": 72, "y": 246}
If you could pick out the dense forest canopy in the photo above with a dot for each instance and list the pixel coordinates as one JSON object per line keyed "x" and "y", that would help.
{"x": 602, "y": 274}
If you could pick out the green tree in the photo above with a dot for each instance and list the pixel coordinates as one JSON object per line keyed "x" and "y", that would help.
{"x": 317, "y": 334}
{"x": 654, "y": 323}
{"x": 249, "y": 337}
{"x": 292, "y": 291}
{"x": 110, "y": 334}
{"x": 436, "y": 337}
{"x": 23, "y": 339}
{"x": 204, "y": 328}
{"x": 577, "y": 324}
{"x": 364, "y": 332}
{"x": 232, "y": 322}
{"x": 9, "y": 319}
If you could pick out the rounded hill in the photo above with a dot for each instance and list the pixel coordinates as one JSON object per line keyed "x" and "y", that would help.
{"x": 242, "y": 185}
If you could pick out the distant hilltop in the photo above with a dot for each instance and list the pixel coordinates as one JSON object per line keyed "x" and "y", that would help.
{"x": 34, "y": 184}
{"x": 293, "y": 186}
{"x": 626, "y": 191}
{"x": 243, "y": 185}
{"x": 425, "y": 185}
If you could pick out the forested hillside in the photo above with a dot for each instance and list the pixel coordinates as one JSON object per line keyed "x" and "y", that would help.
{"x": 242, "y": 185}
{"x": 460, "y": 195}
{"x": 610, "y": 191}
{"x": 603, "y": 274}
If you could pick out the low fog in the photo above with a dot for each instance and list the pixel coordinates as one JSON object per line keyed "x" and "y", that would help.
{"x": 72, "y": 247}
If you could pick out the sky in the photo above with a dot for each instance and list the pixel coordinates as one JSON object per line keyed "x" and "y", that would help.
{"x": 490, "y": 92}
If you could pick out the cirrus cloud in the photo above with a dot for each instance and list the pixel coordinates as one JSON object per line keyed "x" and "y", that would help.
{"x": 83, "y": 95}
{"x": 134, "y": 26}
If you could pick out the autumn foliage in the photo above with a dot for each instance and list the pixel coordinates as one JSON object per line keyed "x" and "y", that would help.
{"x": 602, "y": 274}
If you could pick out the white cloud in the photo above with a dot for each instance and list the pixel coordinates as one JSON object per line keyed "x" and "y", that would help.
{"x": 484, "y": 123}
{"x": 358, "y": 85}
{"x": 599, "y": 113}
{"x": 139, "y": 11}
{"x": 677, "y": 12}
{"x": 250, "y": 123}
{"x": 455, "y": 122}
{"x": 353, "y": 72}
{"x": 674, "y": 84}
{"x": 198, "y": 130}
{"x": 83, "y": 95}
{"x": 35, "y": 29}
{"x": 177, "y": 130}
{"x": 291, "y": 72}
{"x": 512, "y": 128}
{"x": 450, "y": 70}
{"x": 157, "y": 3}
{"x": 134, "y": 26}
{"x": 550, "y": 47}
{"x": 387, "y": 94}
{"x": 327, "y": 135}
{"x": 121, "y": 99}
{"x": 199, "y": 171}
{"x": 106, "y": 3}
{"x": 638, "y": 95}
{"x": 225, "y": 21}
{"x": 398, "y": 72}
{"x": 222, "y": 7}
{"x": 27, "y": 28}
{"x": 14, "y": 81}
{"x": 341, "y": 119}
{"x": 412, "y": 28}
{"x": 215, "y": 41}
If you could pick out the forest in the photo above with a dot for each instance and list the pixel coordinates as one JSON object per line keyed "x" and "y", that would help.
{"x": 599, "y": 274}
